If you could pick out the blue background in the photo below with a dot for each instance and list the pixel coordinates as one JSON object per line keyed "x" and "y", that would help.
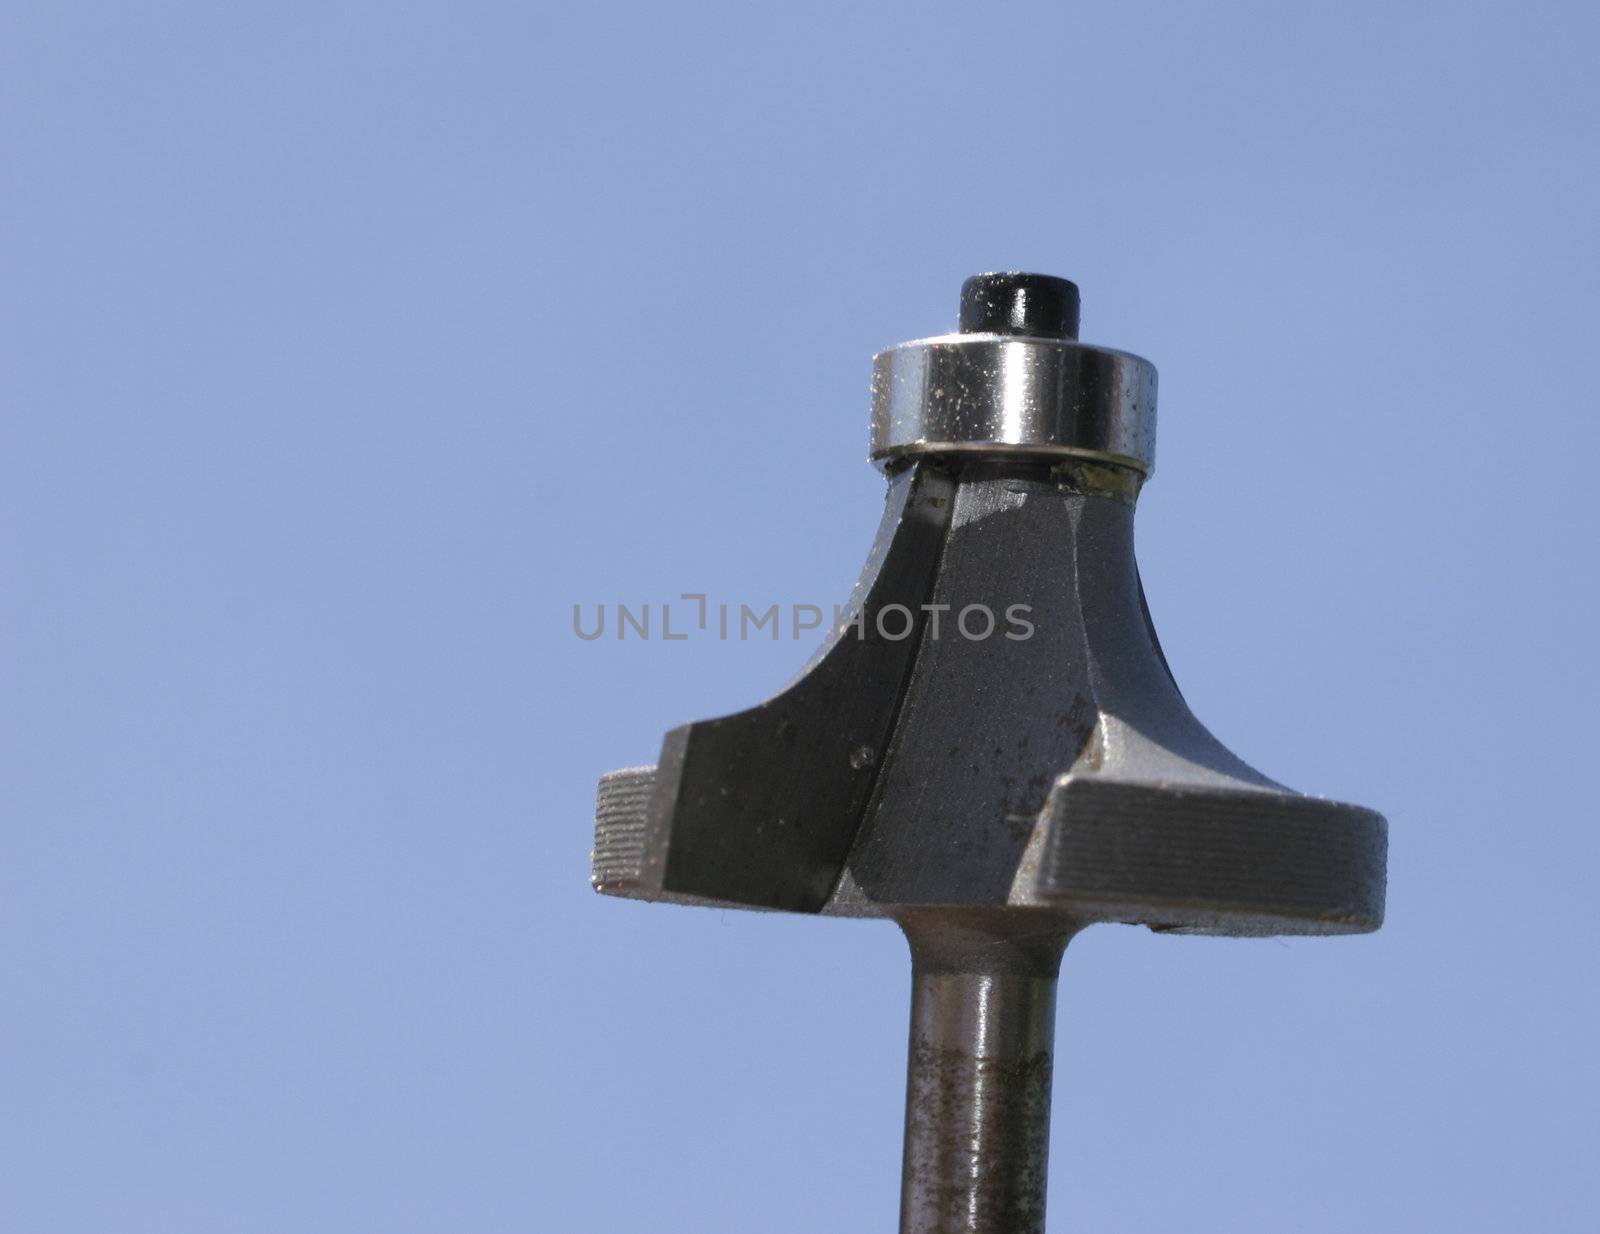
{"x": 349, "y": 345}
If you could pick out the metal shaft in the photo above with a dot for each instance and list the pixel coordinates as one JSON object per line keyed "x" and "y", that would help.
{"x": 978, "y": 1084}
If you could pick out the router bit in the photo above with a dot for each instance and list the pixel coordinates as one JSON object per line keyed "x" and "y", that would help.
{"x": 989, "y": 748}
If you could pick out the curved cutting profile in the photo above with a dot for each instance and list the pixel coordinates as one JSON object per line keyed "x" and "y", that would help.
{"x": 1050, "y": 763}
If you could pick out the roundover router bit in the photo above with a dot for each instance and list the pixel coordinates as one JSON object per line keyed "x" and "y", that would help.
{"x": 995, "y": 795}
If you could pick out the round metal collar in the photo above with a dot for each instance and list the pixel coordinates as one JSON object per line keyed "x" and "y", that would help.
{"x": 1001, "y": 388}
